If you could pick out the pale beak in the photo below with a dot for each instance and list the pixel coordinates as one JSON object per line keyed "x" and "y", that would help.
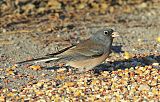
{"x": 115, "y": 34}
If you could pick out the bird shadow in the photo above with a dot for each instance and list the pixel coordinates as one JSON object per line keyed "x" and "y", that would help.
{"x": 139, "y": 60}
{"x": 117, "y": 49}
{"x": 121, "y": 64}
{"x": 57, "y": 68}
{"x": 52, "y": 68}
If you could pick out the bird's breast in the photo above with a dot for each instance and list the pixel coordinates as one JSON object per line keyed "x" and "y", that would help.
{"x": 88, "y": 64}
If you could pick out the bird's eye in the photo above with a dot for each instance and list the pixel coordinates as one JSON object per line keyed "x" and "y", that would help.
{"x": 106, "y": 32}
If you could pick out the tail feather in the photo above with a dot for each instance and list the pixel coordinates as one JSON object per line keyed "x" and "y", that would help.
{"x": 47, "y": 58}
{"x": 42, "y": 59}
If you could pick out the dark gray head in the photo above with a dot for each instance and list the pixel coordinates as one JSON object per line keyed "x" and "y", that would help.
{"x": 104, "y": 37}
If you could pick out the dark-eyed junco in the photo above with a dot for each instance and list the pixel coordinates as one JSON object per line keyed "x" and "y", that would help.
{"x": 85, "y": 55}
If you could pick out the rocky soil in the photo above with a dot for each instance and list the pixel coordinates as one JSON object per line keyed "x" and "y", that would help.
{"x": 31, "y": 29}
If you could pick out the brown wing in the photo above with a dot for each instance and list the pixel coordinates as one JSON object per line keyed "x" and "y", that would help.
{"x": 84, "y": 50}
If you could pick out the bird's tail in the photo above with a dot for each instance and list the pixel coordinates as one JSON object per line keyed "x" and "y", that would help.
{"x": 47, "y": 58}
{"x": 42, "y": 59}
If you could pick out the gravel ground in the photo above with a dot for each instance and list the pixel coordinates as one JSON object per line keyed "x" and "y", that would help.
{"x": 131, "y": 74}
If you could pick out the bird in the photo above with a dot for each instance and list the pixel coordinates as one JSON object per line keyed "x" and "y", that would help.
{"x": 85, "y": 55}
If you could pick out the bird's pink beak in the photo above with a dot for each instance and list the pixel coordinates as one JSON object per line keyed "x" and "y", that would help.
{"x": 115, "y": 34}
